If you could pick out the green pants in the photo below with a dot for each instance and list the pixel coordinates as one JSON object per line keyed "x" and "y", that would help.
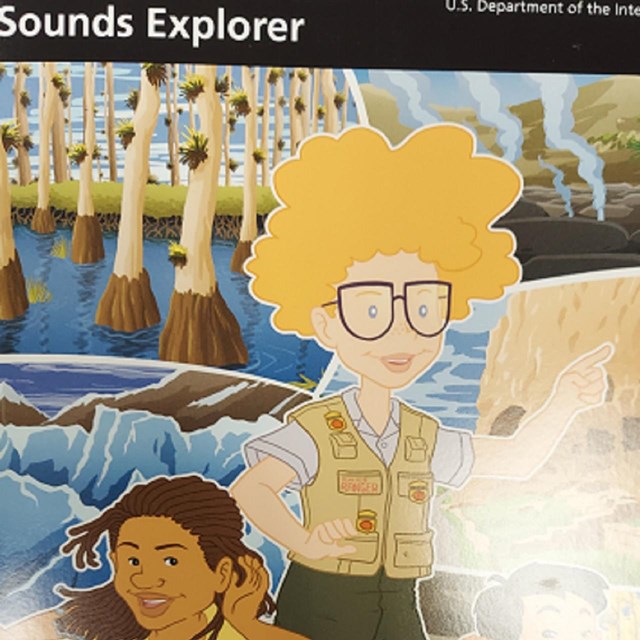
{"x": 328, "y": 606}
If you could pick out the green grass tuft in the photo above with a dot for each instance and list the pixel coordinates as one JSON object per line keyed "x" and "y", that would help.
{"x": 60, "y": 248}
{"x": 38, "y": 292}
{"x": 161, "y": 201}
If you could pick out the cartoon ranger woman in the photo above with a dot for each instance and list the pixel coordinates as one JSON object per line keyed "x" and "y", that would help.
{"x": 373, "y": 253}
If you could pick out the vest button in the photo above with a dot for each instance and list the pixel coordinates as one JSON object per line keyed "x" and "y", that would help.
{"x": 418, "y": 491}
{"x": 367, "y": 521}
{"x": 335, "y": 421}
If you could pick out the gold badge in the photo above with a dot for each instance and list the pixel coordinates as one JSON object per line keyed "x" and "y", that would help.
{"x": 418, "y": 491}
{"x": 367, "y": 521}
{"x": 335, "y": 421}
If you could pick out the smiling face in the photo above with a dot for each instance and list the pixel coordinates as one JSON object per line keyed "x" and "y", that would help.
{"x": 398, "y": 357}
{"x": 162, "y": 575}
{"x": 551, "y": 617}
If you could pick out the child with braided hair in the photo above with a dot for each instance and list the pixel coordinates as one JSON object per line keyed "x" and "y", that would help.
{"x": 181, "y": 570}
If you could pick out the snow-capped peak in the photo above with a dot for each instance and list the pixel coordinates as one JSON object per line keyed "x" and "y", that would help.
{"x": 7, "y": 392}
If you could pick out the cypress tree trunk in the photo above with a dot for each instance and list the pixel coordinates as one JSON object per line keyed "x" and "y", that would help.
{"x": 49, "y": 98}
{"x": 306, "y": 114}
{"x": 200, "y": 328}
{"x": 278, "y": 121}
{"x": 60, "y": 169}
{"x": 264, "y": 142}
{"x": 328, "y": 97}
{"x": 295, "y": 122}
{"x": 171, "y": 130}
{"x": 24, "y": 163}
{"x": 345, "y": 106}
{"x": 111, "y": 122}
{"x": 227, "y": 131}
{"x": 316, "y": 100}
{"x": 249, "y": 227}
{"x": 13, "y": 290}
{"x": 128, "y": 303}
{"x": 86, "y": 244}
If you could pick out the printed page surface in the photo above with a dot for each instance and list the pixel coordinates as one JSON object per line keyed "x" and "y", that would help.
{"x": 320, "y": 322}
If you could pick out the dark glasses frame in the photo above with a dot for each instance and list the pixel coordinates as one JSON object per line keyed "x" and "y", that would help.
{"x": 403, "y": 297}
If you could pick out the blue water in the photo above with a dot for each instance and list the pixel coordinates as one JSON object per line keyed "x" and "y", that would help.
{"x": 56, "y": 477}
{"x": 69, "y": 473}
{"x": 52, "y": 478}
{"x": 65, "y": 325}
{"x": 60, "y": 476}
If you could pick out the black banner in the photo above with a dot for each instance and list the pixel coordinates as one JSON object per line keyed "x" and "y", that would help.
{"x": 573, "y": 36}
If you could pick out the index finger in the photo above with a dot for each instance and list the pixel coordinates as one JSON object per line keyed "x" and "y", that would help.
{"x": 598, "y": 356}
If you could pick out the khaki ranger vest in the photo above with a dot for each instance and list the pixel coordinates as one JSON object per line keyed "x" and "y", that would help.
{"x": 389, "y": 506}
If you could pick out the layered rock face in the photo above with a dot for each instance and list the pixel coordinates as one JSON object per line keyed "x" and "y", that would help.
{"x": 583, "y": 505}
{"x": 548, "y": 327}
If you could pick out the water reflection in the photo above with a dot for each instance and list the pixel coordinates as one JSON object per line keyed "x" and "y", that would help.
{"x": 129, "y": 345}
{"x": 11, "y": 334}
{"x": 251, "y": 317}
{"x": 86, "y": 278}
{"x": 44, "y": 248}
{"x": 65, "y": 324}
{"x": 303, "y": 352}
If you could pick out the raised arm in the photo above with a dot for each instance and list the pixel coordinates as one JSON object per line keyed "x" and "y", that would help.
{"x": 257, "y": 492}
{"x": 240, "y": 605}
{"x": 579, "y": 387}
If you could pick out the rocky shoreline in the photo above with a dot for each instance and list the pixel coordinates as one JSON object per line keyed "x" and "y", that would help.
{"x": 550, "y": 242}
{"x": 225, "y": 227}
{"x": 195, "y": 399}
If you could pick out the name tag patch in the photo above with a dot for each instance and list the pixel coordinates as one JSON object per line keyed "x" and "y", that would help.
{"x": 360, "y": 483}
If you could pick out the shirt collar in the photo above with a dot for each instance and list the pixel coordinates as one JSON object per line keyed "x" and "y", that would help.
{"x": 349, "y": 397}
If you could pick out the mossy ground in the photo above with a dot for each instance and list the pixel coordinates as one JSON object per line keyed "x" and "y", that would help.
{"x": 161, "y": 201}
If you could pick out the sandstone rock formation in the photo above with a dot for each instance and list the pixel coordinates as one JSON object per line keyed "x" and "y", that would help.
{"x": 583, "y": 505}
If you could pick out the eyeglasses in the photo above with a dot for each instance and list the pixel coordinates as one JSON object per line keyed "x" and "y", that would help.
{"x": 367, "y": 309}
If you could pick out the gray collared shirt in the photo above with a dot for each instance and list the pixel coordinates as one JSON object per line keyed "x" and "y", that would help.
{"x": 451, "y": 462}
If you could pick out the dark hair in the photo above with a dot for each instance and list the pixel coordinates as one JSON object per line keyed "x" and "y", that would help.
{"x": 199, "y": 506}
{"x": 498, "y": 609}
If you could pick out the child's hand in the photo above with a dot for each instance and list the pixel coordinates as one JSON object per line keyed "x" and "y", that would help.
{"x": 583, "y": 384}
{"x": 325, "y": 540}
{"x": 241, "y": 603}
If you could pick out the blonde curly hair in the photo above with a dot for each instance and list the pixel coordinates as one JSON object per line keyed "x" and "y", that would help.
{"x": 348, "y": 198}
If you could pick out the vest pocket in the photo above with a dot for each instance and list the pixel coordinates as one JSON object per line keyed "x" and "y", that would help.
{"x": 415, "y": 449}
{"x": 344, "y": 446}
{"x": 366, "y": 548}
{"x": 413, "y": 549}
{"x": 418, "y": 487}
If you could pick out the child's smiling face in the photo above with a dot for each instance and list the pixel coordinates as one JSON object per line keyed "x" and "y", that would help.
{"x": 558, "y": 617}
{"x": 371, "y": 333}
{"x": 161, "y": 573}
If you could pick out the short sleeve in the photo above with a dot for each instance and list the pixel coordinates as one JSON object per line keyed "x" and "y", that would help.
{"x": 290, "y": 444}
{"x": 453, "y": 457}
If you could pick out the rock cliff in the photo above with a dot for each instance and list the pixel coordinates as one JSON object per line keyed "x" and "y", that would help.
{"x": 583, "y": 505}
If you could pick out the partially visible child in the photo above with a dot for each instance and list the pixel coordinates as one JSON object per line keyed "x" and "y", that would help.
{"x": 540, "y": 602}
